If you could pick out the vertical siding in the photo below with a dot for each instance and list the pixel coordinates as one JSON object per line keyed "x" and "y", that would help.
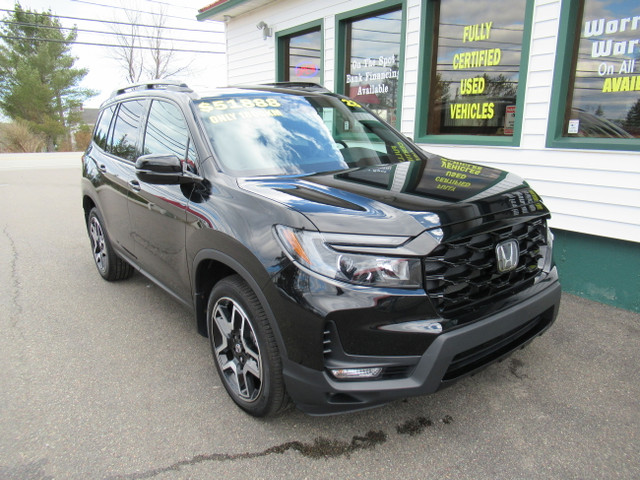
{"x": 329, "y": 51}
{"x": 540, "y": 76}
{"x": 592, "y": 192}
{"x": 411, "y": 63}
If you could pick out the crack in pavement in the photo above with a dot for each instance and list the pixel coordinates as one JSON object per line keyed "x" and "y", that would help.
{"x": 320, "y": 448}
{"x": 15, "y": 281}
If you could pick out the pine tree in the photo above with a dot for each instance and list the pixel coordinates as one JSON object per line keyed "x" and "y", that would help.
{"x": 632, "y": 122}
{"x": 40, "y": 83}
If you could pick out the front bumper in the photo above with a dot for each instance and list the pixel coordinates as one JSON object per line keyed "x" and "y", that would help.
{"x": 452, "y": 355}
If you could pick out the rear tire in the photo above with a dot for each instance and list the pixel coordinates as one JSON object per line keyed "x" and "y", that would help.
{"x": 244, "y": 348}
{"x": 109, "y": 264}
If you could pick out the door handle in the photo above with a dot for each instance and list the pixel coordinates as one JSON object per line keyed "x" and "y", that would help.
{"x": 102, "y": 167}
{"x": 135, "y": 185}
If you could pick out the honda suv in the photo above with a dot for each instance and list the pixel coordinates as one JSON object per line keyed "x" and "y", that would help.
{"x": 329, "y": 260}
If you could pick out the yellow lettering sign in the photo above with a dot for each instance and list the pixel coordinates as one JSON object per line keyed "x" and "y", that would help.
{"x": 472, "y": 111}
{"x": 478, "y": 32}
{"x": 472, "y": 86}
{"x": 621, "y": 84}
{"x": 477, "y": 58}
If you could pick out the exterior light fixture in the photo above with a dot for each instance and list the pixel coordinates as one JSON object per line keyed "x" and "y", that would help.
{"x": 355, "y": 373}
{"x": 266, "y": 30}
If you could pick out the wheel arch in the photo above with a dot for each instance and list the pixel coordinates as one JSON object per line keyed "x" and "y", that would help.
{"x": 87, "y": 205}
{"x": 211, "y": 266}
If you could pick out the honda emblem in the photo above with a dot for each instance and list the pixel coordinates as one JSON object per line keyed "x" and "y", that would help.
{"x": 508, "y": 255}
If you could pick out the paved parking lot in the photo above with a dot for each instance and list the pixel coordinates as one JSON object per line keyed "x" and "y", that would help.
{"x": 111, "y": 380}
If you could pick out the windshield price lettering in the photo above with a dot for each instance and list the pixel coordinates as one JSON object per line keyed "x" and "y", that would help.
{"x": 239, "y": 103}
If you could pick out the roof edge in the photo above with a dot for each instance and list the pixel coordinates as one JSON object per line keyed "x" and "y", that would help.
{"x": 217, "y": 8}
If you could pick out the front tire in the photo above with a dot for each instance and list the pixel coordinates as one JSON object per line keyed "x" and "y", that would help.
{"x": 244, "y": 348}
{"x": 109, "y": 264}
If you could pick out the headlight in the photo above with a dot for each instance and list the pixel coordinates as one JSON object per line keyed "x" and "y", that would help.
{"x": 311, "y": 250}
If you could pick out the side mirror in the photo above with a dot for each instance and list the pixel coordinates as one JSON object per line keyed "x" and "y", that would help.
{"x": 163, "y": 169}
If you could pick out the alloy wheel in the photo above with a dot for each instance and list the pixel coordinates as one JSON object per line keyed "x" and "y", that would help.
{"x": 98, "y": 244}
{"x": 236, "y": 349}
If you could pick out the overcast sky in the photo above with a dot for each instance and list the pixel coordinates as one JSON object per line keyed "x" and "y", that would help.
{"x": 105, "y": 74}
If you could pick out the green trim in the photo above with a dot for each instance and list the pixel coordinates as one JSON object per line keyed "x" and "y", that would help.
{"x": 300, "y": 29}
{"x": 619, "y": 144}
{"x": 425, "y": 61}
{"x": 496, "y": 141}
{"x": 340, "y": 48}
{"x": 291, "y": 32}
{"x": 598, "y": 268}
{"x": 425, "y": 65}
{"x": 560, "y": 87}
{"x": 560, "y": 93}
{"x": 219, "y": 9}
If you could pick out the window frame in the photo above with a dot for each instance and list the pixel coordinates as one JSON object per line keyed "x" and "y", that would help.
{"x": 141, "y": 123}
{"x": 427, "y": 64}
{"x": 148, "y": 119}
{"x": 191, "y": 142}
{"x": 568, "y": 41}
{"x": 341, "y": 44}
{"x": 103, "y": 112}
{"x": 281, "y": 51}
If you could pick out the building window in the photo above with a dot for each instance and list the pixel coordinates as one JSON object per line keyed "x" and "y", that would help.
{"x": 604, "y": 98}
{"x": 595, "y": 101}
{"x": 371, "y": 48}
{"x": 300, "y": 54}
{"x": 477, "y": 56}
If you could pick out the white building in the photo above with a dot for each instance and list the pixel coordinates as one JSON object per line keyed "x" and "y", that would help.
{"x": 547, "y": 89}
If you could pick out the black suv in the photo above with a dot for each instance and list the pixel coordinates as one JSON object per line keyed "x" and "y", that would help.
{"x": 329, "y": 260}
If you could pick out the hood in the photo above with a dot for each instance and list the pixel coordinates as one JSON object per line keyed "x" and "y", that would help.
{"x": 405, "y": 198}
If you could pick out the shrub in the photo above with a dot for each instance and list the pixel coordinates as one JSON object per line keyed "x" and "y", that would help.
{"x": 82, "y": 137}
{"x": 17, "y": 137}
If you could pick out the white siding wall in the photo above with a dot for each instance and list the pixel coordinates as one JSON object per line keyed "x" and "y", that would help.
{"x": 593, "y": 192}
{"x": 252, "y": 59}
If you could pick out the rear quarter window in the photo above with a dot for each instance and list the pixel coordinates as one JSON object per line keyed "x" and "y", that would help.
{"x": 102, "y": 127}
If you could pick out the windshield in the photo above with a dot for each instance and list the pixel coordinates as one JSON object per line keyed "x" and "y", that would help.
{"x": 277, "y": 134}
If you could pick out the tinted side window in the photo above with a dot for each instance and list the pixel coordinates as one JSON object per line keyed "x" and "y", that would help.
{"x": 167, "y": 132}
{"x": 125, "y": 131}
{"x": 102, "y": 127}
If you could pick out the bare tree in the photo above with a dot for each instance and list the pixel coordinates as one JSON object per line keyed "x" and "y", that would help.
{"x": 129, "y": 54}
{"x": 163, "y": 64}
{"x": 144, "y": 51}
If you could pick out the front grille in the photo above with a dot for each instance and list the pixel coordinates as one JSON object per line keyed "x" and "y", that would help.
{"x": 463, "y": 273}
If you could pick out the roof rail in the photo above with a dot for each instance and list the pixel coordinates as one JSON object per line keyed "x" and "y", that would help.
{"x": 298, "y": 86}
{"x": 154, "y": 85}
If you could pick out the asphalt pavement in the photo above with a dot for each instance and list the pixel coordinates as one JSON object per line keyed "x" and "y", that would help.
{"x": 104, "y": 380}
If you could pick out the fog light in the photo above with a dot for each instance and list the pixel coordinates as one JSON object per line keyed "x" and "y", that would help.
{"x": 354, "y": 373}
